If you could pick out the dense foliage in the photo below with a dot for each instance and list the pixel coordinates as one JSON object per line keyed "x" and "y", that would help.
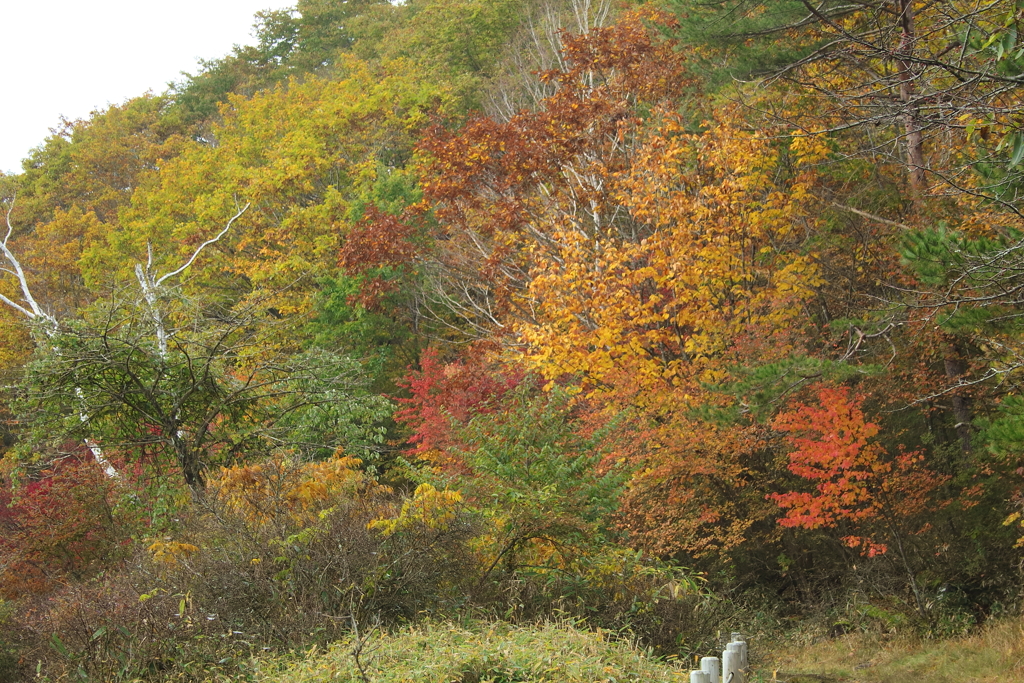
{"x": 662, "y": 317}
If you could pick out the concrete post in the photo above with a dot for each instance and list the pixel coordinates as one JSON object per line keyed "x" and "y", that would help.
{"x": 712, "y": 666}
{"x": 744, "y": 659}
{"x": 732, "y": 669}
{"x": 699, "y": 677}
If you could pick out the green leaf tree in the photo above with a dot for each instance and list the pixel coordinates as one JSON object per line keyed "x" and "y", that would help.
{"x": 216, "y": 390}
{"x": 541, "y": 482}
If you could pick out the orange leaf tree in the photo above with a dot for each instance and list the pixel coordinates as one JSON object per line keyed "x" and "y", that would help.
{"x": 610, "y": 238}
{"x": 858, "y": 485}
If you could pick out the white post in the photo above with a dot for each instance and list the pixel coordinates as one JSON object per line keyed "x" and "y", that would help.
{"x": 732, "y": 671}
{"x": 744, "y": 660}
{"x": 712, "y": 666}
{"x": 699, "y": 677}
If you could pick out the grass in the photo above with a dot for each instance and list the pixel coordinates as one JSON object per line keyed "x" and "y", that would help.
{"x": 496, "y": 652}
{"x": 994, "y": 654}
{"x": 483, "y": 653}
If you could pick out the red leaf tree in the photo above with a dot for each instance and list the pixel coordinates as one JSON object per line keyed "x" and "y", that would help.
{"x": 858, "y": 484}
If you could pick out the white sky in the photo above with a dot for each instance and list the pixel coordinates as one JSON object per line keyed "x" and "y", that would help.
{"x": 69, "y": 57}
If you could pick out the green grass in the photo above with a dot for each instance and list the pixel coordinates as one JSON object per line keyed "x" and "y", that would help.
{"x": 483, "y": 652}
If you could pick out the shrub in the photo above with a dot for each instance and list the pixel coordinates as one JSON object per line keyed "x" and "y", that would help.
{"x": 662, "y": 606}
{"x": 280, "y": 555}
{"x": 58, "y": 523}
{"x": 447, "y": 653}
{"x": 112, "y": 631}
{"x": 541, "y": 486}
{"x": 10, "y": 637}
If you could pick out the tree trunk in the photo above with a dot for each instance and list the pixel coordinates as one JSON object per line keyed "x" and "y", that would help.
{"x": 956, "y": 366}
{"x": 908, "y": 90}
{"x": 191, "y": 467}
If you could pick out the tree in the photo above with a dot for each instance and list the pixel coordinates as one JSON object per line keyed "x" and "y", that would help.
{"x": 610, "y": 239}
{"x": 93, "y": 165}
{"x": 48, "y": 326}
{"x": 198, "y": 380}
{"x": 306, "y": 39}
{"x": 500, "y": 189}
{"x": 535, "y": 48}
{"x": 69, "y": 196}
{"x": 305, "y": 154}
{"x": 212, "y": 388}
{"x": 444, "y": 396}
{"x": 602, "y": 235}
{"x": 547, "y": 489}
{"x": 857, "y": 482}
{"x": 927, "y": 70}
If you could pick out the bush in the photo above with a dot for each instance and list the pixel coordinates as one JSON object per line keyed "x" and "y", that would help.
{"x": 111, "y": 631}
{"x": 281, "y": 555}
{"x": 448, "y": 653}
{"x": 10, "y": 636}
{"x": 278, "y": 555}
{"x": 57, "y": 525}
{"x": 662, "y": 606}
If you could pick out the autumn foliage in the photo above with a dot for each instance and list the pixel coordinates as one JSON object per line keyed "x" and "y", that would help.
{"x": 855, "y": 480}
{"x": 444, "y": 395}
{"x": 58, "y": 525}
{"x": 521, "y": 309}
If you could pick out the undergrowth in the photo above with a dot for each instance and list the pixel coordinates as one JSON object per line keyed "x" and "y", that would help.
{"x": 993, "y": 653}
{"x": 478, "y": 652}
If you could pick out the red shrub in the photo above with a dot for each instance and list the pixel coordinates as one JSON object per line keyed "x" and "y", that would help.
{"x": 443, "y": 393}
{"x": 58, "y": 524}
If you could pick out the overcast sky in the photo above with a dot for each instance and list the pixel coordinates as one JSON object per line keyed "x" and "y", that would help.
{"x": 69, "y": 57}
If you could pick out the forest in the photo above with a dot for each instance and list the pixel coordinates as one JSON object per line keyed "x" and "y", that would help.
{"x": 420, "y": 339}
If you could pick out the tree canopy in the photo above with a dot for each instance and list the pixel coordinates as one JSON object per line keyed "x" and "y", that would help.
{"x": 533, "y": 300}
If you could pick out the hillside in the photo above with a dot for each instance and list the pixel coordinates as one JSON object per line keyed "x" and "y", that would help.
{"x": 525, "y": 319}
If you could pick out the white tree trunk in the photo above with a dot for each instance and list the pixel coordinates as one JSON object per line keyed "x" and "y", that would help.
{"x": 148, "y": 283}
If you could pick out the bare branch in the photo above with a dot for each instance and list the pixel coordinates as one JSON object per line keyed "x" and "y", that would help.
{"x": 205, "y": 244}
{"x": 872, "y": 217}
{"x": 34, "y": 310}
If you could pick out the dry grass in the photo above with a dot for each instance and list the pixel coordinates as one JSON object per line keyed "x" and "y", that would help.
{"x": 995, "y": 654}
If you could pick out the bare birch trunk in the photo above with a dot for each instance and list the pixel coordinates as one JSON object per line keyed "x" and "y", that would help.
{"x": 150, "y": 287}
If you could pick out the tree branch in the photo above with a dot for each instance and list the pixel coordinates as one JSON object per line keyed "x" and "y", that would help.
{"x": 205, "y": 244}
